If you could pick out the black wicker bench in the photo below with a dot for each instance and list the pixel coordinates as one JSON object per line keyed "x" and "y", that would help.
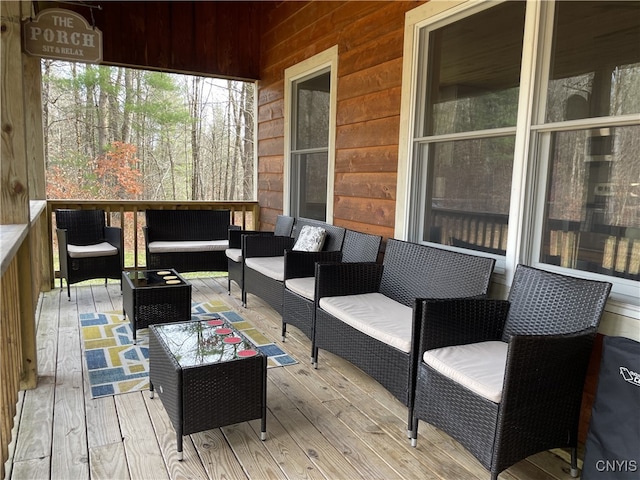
{"x": 366, "y": 312}
{"x": 264, "y": 260}
{"x": 187, "y": 240}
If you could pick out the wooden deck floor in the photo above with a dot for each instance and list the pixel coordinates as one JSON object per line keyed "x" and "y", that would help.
{"x": 331, "y": 423}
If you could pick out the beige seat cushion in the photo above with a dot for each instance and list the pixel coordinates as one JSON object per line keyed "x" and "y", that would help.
{"x": 103, "y": 249}
{"x": 374, "y": 314}
{"x": 234, "y": 254}
{"x": 272, "y": 267}
{"x": 477, "y": 366}
{"x": 189, "y": 246}
{"x": 305, "y": 287}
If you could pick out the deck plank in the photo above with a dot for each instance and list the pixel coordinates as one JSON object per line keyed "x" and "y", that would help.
{"x": 141, "y": 446}
{"x": 334, "y": 422}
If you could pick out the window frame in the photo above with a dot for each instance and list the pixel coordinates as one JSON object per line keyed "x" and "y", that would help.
{"x": 326, "y": 60}
{"x": 529, "y": 174}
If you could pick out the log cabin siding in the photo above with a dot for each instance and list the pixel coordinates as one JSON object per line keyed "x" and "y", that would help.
{"x": 370, "y": 39}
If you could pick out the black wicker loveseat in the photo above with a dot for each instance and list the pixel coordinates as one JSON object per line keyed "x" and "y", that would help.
{"x": 366, "y": 312}
{"x": 187, "y": 240}
{"x": 264, "y": 259}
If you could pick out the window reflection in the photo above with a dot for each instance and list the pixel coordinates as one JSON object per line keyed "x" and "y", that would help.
{"x": 592, "y": 218}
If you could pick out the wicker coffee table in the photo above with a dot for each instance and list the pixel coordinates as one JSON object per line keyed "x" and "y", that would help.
{"x": 155, "y": 296}
{"x": 207, "y": 375}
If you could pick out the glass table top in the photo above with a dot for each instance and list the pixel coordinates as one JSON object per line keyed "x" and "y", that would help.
{"x": 154, "y": 278}
{"x": 204, "y": 342}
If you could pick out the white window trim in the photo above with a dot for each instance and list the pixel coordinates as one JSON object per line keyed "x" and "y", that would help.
{"x": 620, "y": 318}
{"x": 327, "y": 58}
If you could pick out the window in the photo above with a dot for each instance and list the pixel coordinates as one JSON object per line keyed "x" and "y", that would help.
{"x": 524, "y": 135}
{"x": 589, "y": 145}
{"x": 310, "y": 147}
{"x": 465, "y": 129}
{"x": 309, "y": 136}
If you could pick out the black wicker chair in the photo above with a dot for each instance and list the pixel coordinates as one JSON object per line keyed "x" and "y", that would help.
{"x": 409, "y": 271}
{"x": 271, "y": 289}
{"x": 542, "y": 338}
{"x": 187, "y": 240}
{"x": 88, "y": 248}
{"x": 235, "y": 263}
{"x": 299, "y": 274}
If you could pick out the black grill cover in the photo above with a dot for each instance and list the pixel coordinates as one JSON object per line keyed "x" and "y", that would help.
{"x": 612, "y": 448}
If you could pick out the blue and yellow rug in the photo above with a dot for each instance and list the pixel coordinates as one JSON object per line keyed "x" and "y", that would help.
{"x": 114, "y": 365}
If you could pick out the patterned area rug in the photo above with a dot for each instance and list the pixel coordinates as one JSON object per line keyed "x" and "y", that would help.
{"x": 114, "y": 365}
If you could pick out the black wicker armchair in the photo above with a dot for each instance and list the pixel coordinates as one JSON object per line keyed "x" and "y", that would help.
{"x": 365, "y": 314}
{"x": 505, "y": 377}
{"x": 187, "y": 240}
{"x": 88, "y": 248}
{"x": 299, "y": 278}
{"x": 235, "y": 262}
{"x": 268, "y": 283}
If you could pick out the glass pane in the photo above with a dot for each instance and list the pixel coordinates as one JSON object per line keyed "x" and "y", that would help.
{"x": 595, "y": 66}
{"x": 592, "y": 218}
{"x": 474, "y": 72}
{"x": 469, "y": 193}
{"x": 312, "y": 114}
{"x": 310, "y": 185}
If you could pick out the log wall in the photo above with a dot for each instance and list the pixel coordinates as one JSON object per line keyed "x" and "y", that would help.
{"x": 369, "y": 36}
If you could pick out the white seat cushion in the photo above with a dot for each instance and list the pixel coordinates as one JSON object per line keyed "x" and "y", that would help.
{"x": 477, "y": 366}
{"x": 103, "y": 249}
{"x": 189, "y": 246}
{"x": 234, "y": 254}
{"x": 305, "y": 287}
{"x": 374, "y": 314}
{"x": 272, "y": 267}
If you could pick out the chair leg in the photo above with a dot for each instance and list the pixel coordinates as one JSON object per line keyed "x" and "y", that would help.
{"x": 414, "y": 431}
{"x": 68, "y": 291}
{"x": 574, "y": 463}
{"x": 314, "y": 357}
{"x": 284, "y": 331}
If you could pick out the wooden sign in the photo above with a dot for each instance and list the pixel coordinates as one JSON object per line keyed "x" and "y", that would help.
{"x": 62, "y": 34}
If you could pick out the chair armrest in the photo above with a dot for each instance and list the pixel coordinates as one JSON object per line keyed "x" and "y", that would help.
{"x": 61, "y": 233}
{"x": 548, "y": 371}
{"x": 303, "y": 264}
{"x": 235, "y": 236}
{"x": 447, "y": 322}
{"x": 335, "y": 279}
{"x": 113, "y": 235}
{"x": 259, "y": 246}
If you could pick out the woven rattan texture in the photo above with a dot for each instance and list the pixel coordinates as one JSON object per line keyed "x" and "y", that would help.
{"x": 186, "y": 225}
{"x": 300, "y": 311}
{"x": 223, "y": 394}
{"x": 87, "y": 227}
{"x": 236, "y": 269}
{"x": 409, "y": 269}
{"x": 360, "y": 247}
{"x": 208, "y": 396}
{"x": 389, "y": 366}
{"x": 550, "y": 321}
{"x": 334, "y": 235}
{"x": 418, "y": 271}
{"x": 159, "y": 304}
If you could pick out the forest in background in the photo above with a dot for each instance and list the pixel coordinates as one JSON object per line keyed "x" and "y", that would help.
{"x": 121, "y": 133}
